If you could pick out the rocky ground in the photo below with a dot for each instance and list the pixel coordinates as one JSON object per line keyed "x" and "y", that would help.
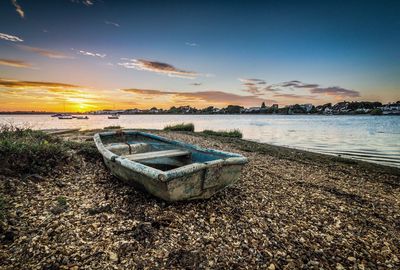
{"x": 290, "y": 210}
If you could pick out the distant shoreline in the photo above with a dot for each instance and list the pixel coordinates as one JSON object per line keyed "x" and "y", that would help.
{"x": 310, "y": 114}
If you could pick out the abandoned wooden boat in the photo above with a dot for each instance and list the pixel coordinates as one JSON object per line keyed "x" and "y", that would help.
{"x": 170, "y": 170}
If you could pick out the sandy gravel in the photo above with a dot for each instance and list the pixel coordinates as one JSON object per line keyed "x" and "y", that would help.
{"x": 289, "y": 210}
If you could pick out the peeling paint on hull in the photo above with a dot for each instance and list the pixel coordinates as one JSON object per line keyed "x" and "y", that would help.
{"x": 202, "y": 174}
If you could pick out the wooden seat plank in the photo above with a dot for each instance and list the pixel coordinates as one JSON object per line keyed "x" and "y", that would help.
{"x": 157, "y": 154}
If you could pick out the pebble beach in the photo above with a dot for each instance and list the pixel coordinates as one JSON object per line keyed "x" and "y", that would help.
{"x": 290, "y": 209}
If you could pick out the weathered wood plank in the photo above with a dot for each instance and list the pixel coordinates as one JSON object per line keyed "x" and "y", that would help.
{"x": 157, "y": 154}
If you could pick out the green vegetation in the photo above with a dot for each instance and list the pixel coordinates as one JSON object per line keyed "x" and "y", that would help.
{"x": 86, "y": 149}
{"x": 180, "y": 127}
{"x": 62, "y": 206}
{"x": 376, "y": 111}
{"x": 2, "y": 208}
{"x": 26, "y": 151}
{"x": 112, "y": 127}
{"x": 62, "y": 201}
{"x": 231, "y": 133}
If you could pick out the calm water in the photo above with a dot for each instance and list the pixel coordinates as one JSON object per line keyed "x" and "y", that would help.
{"x": 370, "y": 138}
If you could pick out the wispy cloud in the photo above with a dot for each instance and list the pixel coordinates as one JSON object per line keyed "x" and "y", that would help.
{"x": 295, "y": 96}
{"x": 10, "y": 37}
{"x": 280, "y": 90}
{"x": 15, "y": 63}
{"x": 203, "y": 97}
{"x": 32, "y": 85}
{"x": 85, "y": 2}
{"x": 18, "y": 8}
{"x": 253, "y": 86}
{"x": 255, "y": 81}
{"x": 335, "y": 91}
{"x": 192, "y": 44}
{"x": 92, "y": 54}
{"x": 158, "y": 67}
{"x": 297, "y": 84}
{"x": 112, "y": 23}
{"x": 46, "y": 52}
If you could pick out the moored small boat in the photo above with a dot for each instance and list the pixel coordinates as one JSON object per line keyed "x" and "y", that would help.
{"x": 170, "y": 170}
{"x": 81, "y": 117}
{"x": 114, "y": 116}
{"x": 65, "y": 116}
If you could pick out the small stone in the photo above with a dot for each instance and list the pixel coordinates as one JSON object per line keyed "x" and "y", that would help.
{"x": 113, "y": 256}
{"x": 271, "y": 266}
{"x": 329, "y": 238}
{"x": 352, "y": 259}
{"x": 339, "y": 266}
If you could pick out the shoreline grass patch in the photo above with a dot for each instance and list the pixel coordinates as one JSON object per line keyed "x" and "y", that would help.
{"x": 235, "y": 133}
{"x": 180, "y": 127}
{"x": 86, "y": 149}
{"x": 26, "y": 151}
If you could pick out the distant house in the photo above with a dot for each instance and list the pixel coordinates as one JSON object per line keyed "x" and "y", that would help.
{"x": 109, "y": 112}
{"x": 328, "y": 110}
{"x": 251, "y": 110}
{"x": 307, "y": 107}
{"x": 153, "y": 110}
{"x": 133, "y": 111}
{"x": 393, "y": 108}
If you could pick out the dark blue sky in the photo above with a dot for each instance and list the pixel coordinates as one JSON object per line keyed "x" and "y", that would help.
{"x": 343, "y": 49}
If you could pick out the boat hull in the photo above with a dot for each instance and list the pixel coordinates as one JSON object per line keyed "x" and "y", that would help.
{"x": 198, "y": 180}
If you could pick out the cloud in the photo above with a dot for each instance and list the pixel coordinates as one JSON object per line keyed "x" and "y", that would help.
{"x": 297, "y": 84}
{"x": 46, "y": 52}
{"x": 35, "y": 85}
{"x": 85, "y": 2}
{"x": 112, "y": 23}
{"x": 294, "y": 96}
{"x": 18, "y": 8}
{"x": 92, "y": 54}
{"x": 254, "y": 81}
{"x": 270, "y": 88}
{"x": 253, "y": 86}
{"x": 158, "y": 67}
{"x": 10, "y": 37}
{"x": 14, "y": 63}
{"x": 192, "y": 44}
{"x": 310, "y": 91}
{"x": 209, "y": 97}
{"x": 335, "y": 91}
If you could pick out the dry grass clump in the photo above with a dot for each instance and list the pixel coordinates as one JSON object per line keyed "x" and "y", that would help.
{"x": 180, "y": 127}
{"x": 235, "y": 133}
{"x": 112, "y": 127}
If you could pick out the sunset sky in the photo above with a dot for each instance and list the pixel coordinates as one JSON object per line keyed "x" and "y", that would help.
{"x": 82, "y": 55}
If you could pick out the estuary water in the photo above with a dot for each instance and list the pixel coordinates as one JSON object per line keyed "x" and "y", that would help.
{"x": 369, "y": 138}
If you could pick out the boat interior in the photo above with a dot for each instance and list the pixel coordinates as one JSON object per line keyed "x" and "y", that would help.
{"x": 159, "y": 154}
